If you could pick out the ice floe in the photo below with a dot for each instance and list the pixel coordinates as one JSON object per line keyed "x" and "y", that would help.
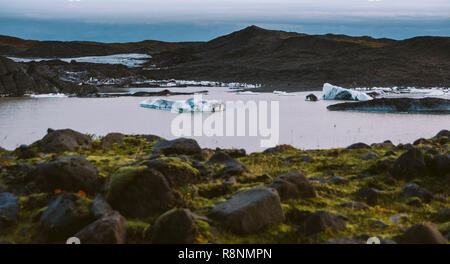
{"x": 50, "y": 95}
{"x": 331, "y": 92}
{"x": 127, "y": 59}
{"x": 282, "y": 93}
{"x": 190, "y": 105}
{"x": 246, "y": 93}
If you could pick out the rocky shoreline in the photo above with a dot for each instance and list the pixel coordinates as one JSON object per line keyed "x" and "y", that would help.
{"x": 426, "y": 105}
{"x": 144, "y": 189}
{"x": 277, "y": 60}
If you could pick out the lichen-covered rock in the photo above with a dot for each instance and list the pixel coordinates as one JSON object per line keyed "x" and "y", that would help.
{"x": 249, "y": 211}
{"x": 69, "y": 173}
{"x": 293, "y": 185}
{"x": 410, "y": 165}
{"x": 421, "y": 234}
{"x": 176, "y": 226}
{"x": 65, "y": 215}
{"x": 232, "y": 167}
{"x": 57, "y": 141}
{"x": 443, "y": 133}
{"x": 111, "y": 228}
{"x": 321, "y": 221}
{"x": 355, "y": 205}
{"x": 9, "y": 209}
{"x": 177, "y": 146}
{"x": 110, "y": 139}
{"x": 359, "y": 145}
{"x": 176, "y": 171}
{"x": 139, "y": 192}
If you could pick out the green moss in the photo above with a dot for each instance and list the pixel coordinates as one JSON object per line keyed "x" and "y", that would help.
{"x": 137, "y": 231}
{"x": 121, "y": 178}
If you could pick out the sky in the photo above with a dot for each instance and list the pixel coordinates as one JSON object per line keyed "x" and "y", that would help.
{"x": 183, "y": 20}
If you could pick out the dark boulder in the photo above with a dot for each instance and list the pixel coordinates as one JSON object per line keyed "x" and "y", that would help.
{"x": 381, "y": 166}
{"x": 321, "y": 221}
{"x": 443, "y": 133}
{"x": 359, "y": 145}
{"x": 65, "y": 215}
{"x": 111, "y": 139}
{"x": 293, "y": 185}
{"x": 232, "y": 167}
{"x": 296, "y": 216}
{"x": 420, "y": 141}
{"x": 302, "y": 158}
{"x": 235, "y": 153}
{"x": 177, "y": 146}
{"x": 111, "y": 228}
{"x": 176, "y": 226}
{"x": 443, "y": 215}
{"x": 70, "y": 173}
{"x": 413, "y": 190}
{"x": 369, "y": 156}
{"x": 397, "y": 105}
{"x": 9, "y": 209}
{"x": 338, "y": 180}
{"x": 371, "y": 195}
{"x": 25, "y": 152}
{"x": 57, "y": 141}
{"x": 176, "y": 171}
{"x": 440, "y": 165}
{"x": 311, "y": 97}
{"x": 150, "y": 138}
{"x": 249, "y": 211}
{"x": 139, "y": 192}
{"x": 421, "y": 234}
{"x": 410, "y": 165}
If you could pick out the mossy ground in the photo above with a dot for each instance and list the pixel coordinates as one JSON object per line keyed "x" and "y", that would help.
{"x": 345, "y": 163}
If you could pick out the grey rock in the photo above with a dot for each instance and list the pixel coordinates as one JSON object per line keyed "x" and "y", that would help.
{"x": 369, "y": 156}
{"x": 293, "y": 185}
{"x": 176, "y": 226}
{"x": 111, "y": 228}
{"x": 100, "y": 207}
{"x": 9, "y": 209}
{"x": 249, "y": 211}
{"x": 57, "y": 141}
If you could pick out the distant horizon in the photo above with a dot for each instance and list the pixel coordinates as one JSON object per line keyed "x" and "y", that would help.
{"x": 203, "y": 20}
{"x": 56, "y": 30}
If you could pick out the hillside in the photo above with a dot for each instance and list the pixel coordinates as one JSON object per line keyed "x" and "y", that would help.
{"x": 277, "y": 59}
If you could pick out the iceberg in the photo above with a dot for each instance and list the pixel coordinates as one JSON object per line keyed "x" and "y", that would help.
{"x": 331, "y": 92}
{"x": 190, "y": 105}
{"x": 50, "y": 95}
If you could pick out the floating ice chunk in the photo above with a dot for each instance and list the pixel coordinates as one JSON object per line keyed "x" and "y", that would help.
{"x": 331, "y": 92}
{"x": 247, "y": 93}
{"x": 282, "y": 93}
{"x": 189, "y": 105}
{"x": 50, "y": 95}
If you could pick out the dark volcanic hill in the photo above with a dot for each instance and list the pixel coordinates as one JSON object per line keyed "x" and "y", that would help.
{"x": 276, "y": 59}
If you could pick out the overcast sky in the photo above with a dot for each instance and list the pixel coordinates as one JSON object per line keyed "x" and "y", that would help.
{"x": 397, "y": 18}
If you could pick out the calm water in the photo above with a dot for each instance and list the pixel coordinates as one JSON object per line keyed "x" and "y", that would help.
{"x": 306, "y": 125}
